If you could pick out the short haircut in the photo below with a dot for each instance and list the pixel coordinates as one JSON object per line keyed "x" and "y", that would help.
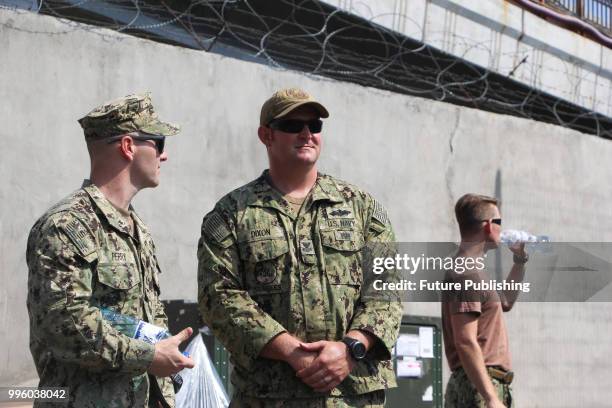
{"x": 471, "y": 209}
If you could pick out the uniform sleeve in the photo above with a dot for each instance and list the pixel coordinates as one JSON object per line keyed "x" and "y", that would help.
{"x": 161, "y": 320}
{"x": 464, "y": 300}
{"x": 62, "y": 317}
{"x": 159, "y": 312}
{"x": 233, "y": 316}
{"x": 380, "y": 316}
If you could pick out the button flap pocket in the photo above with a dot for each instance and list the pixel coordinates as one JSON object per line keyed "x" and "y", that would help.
{"x": 343, "y": 257}
{"x": 118, "y": 275}
{"x": 264, "y": 250}
{"x": 343, "y": 240}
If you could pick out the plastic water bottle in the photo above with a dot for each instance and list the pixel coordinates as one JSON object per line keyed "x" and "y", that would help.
{"x": 534, "y": 242}
{"x": 139, "y": 330}
{"x": 134, "y": 328}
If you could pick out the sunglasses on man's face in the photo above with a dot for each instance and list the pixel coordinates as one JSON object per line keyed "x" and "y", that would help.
{"x": 296, "y": 125}
{"x": 493, "y": 221}
{"x": 160, "y": 141}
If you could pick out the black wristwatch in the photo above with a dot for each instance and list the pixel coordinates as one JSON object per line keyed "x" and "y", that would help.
{"x": 521, "y": 260}
{"x": 356, "y": 349}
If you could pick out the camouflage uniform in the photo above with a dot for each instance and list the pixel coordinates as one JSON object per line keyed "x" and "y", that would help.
{"x": 263, "y": 271}
{"x": 374, "y": 399}
{"x": 83, "y": 255}
{"x": 461, "y": 393}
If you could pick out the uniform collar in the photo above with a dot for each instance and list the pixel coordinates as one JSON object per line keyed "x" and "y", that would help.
{"x": 139, "y": 225}
{"x": 326, "y": 189}
{"x": 264, "y": 195}
{"x": 114, "y": 218}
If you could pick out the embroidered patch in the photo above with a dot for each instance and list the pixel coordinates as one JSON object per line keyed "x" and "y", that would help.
{"x": 340, "y": 223}
{"x": 265, "y": 273}
{"x": 307, "y": 247}
{"x": 80, "y": 236}
{"x": 119, "y": 257}
{"x": 344, "y": 212}
{"x": 261, "y": 232}
{"x": 380, "y": 213}
{"x": 344, "y": 235}
{"x": 215, "y": 227}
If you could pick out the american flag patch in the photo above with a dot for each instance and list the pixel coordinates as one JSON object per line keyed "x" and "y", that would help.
{"x": 214, "y": 227}
{"x": 380, "y": 213}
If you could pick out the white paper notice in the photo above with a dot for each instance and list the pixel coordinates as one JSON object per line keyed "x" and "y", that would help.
{"x": 426, "y": 341}
{"x": 409, "y": 367}
{"x": 428, "y": 394}
{"x": 407, "y": 345}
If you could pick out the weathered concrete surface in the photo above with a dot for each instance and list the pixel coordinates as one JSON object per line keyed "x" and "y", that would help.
{"x": 416, "y": 156}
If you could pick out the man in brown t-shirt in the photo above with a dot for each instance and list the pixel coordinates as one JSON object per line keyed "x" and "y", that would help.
{"x": 475, "y": 337}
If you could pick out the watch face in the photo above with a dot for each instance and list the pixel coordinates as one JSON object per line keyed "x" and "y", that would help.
{"x": 359, "y": 350}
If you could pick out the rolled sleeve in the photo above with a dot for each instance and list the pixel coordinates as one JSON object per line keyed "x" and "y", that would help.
{"x": 380, "y": 318}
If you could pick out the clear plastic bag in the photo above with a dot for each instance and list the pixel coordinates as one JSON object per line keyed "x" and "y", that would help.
{"x": 202, "y": 387}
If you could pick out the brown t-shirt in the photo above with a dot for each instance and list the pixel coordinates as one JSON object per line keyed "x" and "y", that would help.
{"x": 491, "y": 335}
{"x": 295, "y": 203}
{"x": 127, "y": 215}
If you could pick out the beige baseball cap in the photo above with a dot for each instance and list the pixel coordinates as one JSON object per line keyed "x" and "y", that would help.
{"x": 286, "y": 100}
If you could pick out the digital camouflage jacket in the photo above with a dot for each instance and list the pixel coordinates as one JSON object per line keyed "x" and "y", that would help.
{"x": 81, "y": 256}
{"x": 263, "y": 271}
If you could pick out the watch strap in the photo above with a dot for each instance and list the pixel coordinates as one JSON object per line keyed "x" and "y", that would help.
{"x": 520, "y": 259}
{"x": 350, "y": 343}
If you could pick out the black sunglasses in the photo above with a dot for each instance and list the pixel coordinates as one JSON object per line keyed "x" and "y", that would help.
{"x": 492, "y": 220}
{"x": 495, "y": 221}
{"x": 160, "y": 141}
{"x": 296, "y": 125}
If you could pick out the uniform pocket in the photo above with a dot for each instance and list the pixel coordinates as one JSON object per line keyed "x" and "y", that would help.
{"x": 118, "y": 286}
{"x": 343, "y": 256}
{"x": 264, "y": 262}
{"x": 263, "y": 250}
{"x": 118, "y": 275}
{"x": 342, "y": 240}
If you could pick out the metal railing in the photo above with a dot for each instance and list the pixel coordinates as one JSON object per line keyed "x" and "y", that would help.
{"x": 596, "y": 12}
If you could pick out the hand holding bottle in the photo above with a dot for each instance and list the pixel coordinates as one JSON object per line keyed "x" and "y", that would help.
{"x": 168, "y": 359}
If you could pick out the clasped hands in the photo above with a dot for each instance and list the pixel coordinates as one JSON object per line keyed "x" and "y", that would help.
{"x": 322, "y": 365}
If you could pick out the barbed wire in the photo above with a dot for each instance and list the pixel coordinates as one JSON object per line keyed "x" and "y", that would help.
{"x": 318, "y": 39}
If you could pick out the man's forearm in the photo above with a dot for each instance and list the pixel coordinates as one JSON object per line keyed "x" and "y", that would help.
{"x": 280, "y": 347}
{"x": 472, "y": 362}
{"x": 285, "y": 347}
{"x": 517, "y": 274}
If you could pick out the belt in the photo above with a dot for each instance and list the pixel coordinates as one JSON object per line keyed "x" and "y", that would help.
{"x": 503, "y": 376}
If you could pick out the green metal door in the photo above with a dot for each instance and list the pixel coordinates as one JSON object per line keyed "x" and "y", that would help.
{"x": 417, "y": 359}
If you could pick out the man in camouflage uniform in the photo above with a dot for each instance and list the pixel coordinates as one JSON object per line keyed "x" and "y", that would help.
{"x": 280, "y": 275}
{"x": 90, "y": 251}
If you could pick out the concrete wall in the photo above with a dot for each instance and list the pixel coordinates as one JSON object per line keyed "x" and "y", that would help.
{"x": 497, "y": 35}
{"x": 414, "y": 155}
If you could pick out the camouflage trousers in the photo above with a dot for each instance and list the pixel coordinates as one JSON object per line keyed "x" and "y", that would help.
{"x": 375, "y": 399}
{"x": 461, "y": 393}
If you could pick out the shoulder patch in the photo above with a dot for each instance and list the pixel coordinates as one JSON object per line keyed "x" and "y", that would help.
{"x": 380, "y": 213}
{"x": 79, "y": 234}
{"x": 215, "y": 228}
